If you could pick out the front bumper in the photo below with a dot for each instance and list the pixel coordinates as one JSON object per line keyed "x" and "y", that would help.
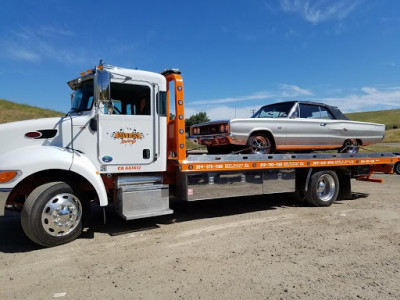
{"x": 213, "y": 140}
{"x": 4, "y": 193}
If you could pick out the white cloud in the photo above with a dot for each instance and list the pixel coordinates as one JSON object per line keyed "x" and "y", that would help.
{"x": 317, "y": 11}
{"x": 223, "y": 112}
{"x": 367, "y": 99}
{"x": 294, "y": 91}
{"x": 46, "y": 42}
{"x": 256, "y": 96}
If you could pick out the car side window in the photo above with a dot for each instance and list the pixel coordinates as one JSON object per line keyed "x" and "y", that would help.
{"x": 308, "y": 111}
{"x": 325, "y": 113}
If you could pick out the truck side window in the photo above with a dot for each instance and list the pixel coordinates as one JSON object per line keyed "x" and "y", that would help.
{"x": 162, "y": 103}
{"x": 131, "y": 99}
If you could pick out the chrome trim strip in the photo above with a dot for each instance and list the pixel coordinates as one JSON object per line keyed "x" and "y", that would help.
{"x": 4, "y": 193}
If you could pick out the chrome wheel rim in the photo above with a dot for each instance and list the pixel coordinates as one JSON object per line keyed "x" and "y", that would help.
{"x": 61, "y": 214}
{"x": 351, "y": 146}
{"x": 259, "y": 144}
{"x": 326, "y": 187}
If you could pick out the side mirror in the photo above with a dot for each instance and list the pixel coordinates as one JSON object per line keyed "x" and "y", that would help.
{"x": 102, "y": 86}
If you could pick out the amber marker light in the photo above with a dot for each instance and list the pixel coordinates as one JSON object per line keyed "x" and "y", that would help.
{"x": 7, "y": 176}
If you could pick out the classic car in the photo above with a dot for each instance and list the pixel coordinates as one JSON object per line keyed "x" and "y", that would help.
{"x": 293, "y": 126}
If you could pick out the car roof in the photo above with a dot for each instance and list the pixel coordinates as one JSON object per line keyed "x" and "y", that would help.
{"x": 333, "y": 109}
{"x": 303, "y": 102}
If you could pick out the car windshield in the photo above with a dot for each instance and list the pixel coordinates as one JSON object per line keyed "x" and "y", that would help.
{"x": 83, "y": 97}
{"x": 277, "y": 110}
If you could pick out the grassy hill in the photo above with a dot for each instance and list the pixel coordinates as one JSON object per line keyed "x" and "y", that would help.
{"x": 391, "y": 118}
{"x": 10, "y": 111}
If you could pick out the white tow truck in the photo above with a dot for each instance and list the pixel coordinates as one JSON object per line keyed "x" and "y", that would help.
{"x": 118, "y": 145}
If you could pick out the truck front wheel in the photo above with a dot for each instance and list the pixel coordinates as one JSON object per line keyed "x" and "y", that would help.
{"x": 323, "y": 188}
{"x": 52, "y": 214}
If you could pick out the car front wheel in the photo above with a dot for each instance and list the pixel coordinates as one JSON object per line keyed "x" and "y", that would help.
{"x": 259, "y": 143}
{"x": 397, "y": 167}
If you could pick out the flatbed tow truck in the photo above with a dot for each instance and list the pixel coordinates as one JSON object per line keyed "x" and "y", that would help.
{"x": 118, "y": 145}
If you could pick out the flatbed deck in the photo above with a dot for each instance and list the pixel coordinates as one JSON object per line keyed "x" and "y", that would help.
{"x": 234, "y": 162}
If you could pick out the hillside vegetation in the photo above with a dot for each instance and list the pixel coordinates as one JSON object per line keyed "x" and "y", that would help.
{"x": 10, "y": 111}
{"x": 391, "y": 118}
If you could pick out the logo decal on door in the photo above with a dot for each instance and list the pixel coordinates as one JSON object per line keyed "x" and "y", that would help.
{"x": 127, "y": 136}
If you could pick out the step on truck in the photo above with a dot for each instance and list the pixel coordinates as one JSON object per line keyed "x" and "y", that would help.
{"x": 119, "y": 145}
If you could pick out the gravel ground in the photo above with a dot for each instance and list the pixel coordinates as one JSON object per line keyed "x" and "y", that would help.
{"x": 242, "y": 248}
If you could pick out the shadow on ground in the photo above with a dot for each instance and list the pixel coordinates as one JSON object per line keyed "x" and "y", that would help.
{"x": 13, "y": 239}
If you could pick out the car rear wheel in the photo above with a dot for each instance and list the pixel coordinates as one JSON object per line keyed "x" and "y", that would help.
{"x": 259, "y": 143}
{"x": 350, "y": 146}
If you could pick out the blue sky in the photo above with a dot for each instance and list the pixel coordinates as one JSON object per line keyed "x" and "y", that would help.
{"x": 234, "y": 55}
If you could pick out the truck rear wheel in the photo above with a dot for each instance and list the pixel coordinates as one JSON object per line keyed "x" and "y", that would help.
{"x": 52, "y": 214}
{"x": 323, "y": 188}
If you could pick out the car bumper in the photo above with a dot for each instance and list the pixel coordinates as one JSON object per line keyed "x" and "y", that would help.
{"x": 4, "y": 193}
{"x": 213, "y": 140}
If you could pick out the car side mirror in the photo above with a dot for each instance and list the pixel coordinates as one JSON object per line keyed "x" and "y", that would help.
{"x": 294, "y": 115}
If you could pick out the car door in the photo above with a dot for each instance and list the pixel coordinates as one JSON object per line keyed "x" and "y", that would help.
{"x": 309, "y": 130}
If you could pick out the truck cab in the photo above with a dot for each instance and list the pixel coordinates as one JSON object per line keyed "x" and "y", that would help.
{"x": 116, "y": 118}
{"x": 110, "y": 147}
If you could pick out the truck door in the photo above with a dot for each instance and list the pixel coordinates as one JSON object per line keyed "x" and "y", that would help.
{"x": 127, "y": 129}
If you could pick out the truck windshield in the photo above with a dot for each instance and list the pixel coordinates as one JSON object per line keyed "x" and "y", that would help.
{"x": 277, "y": 110}
{"x": 83, "y": 97}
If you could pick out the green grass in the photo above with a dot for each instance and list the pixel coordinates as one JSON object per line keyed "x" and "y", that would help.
{"x": 380, "y": 148}
{"x": 392, "y": 136}
{"x": 390, "y": 118}
{"x": 10, "y": 112}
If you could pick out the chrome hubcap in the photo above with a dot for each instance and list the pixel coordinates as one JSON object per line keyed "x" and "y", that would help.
{"x": 351, "y": 146}
{"x": 259, "y": 145}
{"x": 326, "y": 187}
{"x": 61, "y": 214}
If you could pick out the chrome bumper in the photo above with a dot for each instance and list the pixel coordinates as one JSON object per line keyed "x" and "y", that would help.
{"x": 213, "y": 140}
{"x": 4, "y": 193}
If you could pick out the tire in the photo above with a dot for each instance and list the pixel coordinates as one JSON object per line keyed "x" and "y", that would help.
{"x": 323, "y": 188}
{"x": 396, "y": 168}
{"x": 259, "y": 143}
{"x": 52, "y": 214}
{"x": 350, "y": 146}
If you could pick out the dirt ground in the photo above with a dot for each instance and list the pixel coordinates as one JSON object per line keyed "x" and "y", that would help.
{"x": 242, "y": 248}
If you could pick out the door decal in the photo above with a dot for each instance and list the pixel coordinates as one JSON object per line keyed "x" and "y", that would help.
{"x": 126, "y": 136}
